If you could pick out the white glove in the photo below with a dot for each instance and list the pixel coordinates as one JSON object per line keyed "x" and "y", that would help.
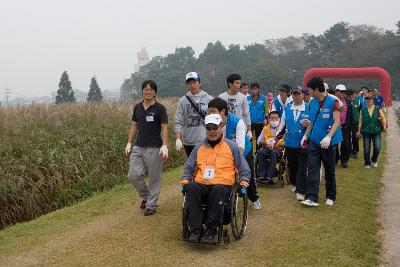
{"x": 325, "y": 142}
{"x": 178, "y": 144}
{"x": 164, "y": 152}
{"x": 128, "y": 149}
{"x": 250, "y": 134}
{"x": 303, "y": 142}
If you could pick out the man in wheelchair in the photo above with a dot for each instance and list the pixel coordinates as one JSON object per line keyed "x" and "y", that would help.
{"x": 210, "y": 172}
{"x": 271, "y": 151}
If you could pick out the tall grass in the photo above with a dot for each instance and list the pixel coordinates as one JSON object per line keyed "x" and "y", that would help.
{"x": 52, "y": 156}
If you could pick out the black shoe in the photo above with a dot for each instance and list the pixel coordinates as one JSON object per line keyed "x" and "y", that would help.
{"x": 208, "y": 237}
{"x": 194, "y": 236}
{"x": 143, "y": 204}
{"x": 355, "y": 155}
{"x": 344, "y": 165}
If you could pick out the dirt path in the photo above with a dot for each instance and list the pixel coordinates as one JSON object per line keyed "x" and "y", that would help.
{"x": 390, "y": 196}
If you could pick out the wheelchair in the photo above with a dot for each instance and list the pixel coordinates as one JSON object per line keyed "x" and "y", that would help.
{"x": 281, "y": 170}
{"x": 233, "y": 212}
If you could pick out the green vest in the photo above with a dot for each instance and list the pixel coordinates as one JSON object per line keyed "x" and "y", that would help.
{"x": 370, "y": 125}
{"x": 355, "y": 106}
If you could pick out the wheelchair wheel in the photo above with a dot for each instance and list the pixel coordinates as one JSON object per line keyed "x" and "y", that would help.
{"x": 239, "y": 214}
{"x": 185, "y": 221}
{"x": 226, "y": 236}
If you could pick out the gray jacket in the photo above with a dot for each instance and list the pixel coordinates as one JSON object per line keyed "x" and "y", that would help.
{"x": 188, "y": 121}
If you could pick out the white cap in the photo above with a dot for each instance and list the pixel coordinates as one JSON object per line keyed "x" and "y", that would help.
{"x": 326, "y": 86}
{"x": 340, "y": 87}
{"x": 193, "y": 75}
{"x": 213, "y": 118}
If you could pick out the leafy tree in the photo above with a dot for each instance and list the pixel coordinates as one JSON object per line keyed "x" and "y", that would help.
{"x": 65, "y": 93}
{"x": 398, "y": 27}
{"x": 94, "y": 91}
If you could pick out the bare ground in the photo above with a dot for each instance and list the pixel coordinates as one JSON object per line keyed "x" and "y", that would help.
{"x": 390, "y": 195}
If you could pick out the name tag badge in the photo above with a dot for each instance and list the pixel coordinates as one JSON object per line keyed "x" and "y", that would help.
{"x": 149, "y": 118}
{"x": 306, "y": 116}
{"x": 209, "y": 173}
{"x": 325, "y": 116}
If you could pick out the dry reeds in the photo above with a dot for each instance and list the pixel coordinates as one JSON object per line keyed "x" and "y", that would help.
{"x": 53, "y": 156}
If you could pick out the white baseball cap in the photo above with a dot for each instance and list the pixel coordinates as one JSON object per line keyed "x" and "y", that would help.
{"x": 340, "y": 87}
{"x": 213, "y": 118}
{"x": 326, "y": 86}
{"x": 193, "y": 75}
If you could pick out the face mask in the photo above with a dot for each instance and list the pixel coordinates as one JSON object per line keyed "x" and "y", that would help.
{"x": 274, "y": 124}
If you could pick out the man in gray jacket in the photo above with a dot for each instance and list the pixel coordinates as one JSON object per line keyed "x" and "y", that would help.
{"x": 190, "y": 113}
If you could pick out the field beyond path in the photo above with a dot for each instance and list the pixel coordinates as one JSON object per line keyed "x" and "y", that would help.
{"x": 109, "y": 229}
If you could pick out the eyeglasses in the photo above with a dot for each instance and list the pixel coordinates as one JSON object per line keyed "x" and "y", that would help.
{"x": 368, "y": 98}
{"x": 212, "y": 127}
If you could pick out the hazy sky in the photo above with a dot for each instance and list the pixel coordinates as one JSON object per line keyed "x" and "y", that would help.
{"x": 42, "y": 38}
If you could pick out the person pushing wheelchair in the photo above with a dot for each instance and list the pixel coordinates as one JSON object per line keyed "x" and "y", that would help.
{"x": 211, "y": 170}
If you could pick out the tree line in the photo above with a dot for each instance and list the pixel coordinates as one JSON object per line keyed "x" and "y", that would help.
{"x": 276, "y": 61}
{"x": 65, "y": 93}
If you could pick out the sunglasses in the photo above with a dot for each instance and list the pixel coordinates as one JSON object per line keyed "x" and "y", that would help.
{"x": 368, "y": 98}
{"x": 212, "y": 127}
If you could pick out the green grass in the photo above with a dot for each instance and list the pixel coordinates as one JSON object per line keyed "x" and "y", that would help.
{"x": 109, "y": 229}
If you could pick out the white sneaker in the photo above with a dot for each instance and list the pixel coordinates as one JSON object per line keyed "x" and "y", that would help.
{"x": 300, "y": 197}
{"x": 367, "y": 166}
{"x": 293, "y": 188}
{"x": 309, "y": 203}
{"x": 329, "y": 202}
{"x": 374, "y": 164}
{"x": 257, "y": 205}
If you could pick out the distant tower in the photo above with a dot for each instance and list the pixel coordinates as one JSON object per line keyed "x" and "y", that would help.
{"x": 143, "y": 58}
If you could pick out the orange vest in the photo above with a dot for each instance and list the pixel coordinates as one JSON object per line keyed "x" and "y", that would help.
{"x": 221, "y": 159}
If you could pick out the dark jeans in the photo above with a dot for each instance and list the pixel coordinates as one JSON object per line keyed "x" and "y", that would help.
{"x": 257, "y": 129}
{"x": 214, "y": 195}
{"x": 297, "y": 163}
{"x": 316, "y": 154}
{"x": 376, "y": 141}
{"x": 267, "y": 168}
{"x": 354, "y": 140}
{"x": 344, "y": 146}
{"x": 188, "y": 149}
{"x": 252, "y": 189}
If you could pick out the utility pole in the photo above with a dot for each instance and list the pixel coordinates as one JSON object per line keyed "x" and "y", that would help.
{"x": 7, "y": 92}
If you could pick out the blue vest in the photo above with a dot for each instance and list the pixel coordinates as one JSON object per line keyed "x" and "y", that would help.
{"x": 362, "y": 101}
{"x": 322, "y": 124}
{"x": 294, "y": 130}
{"x": 231, "y": 124}
{"x": 257, "y": 112}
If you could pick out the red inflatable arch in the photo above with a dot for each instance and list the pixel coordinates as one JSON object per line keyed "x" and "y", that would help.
{"x": 355, "y": 73}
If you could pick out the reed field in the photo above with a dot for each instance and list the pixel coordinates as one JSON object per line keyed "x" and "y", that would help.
{"x": 52, "y": 156}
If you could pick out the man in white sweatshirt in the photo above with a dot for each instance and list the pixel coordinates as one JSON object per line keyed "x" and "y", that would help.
{"x": 190, "y": 113}
{"x": 237, "y": 102}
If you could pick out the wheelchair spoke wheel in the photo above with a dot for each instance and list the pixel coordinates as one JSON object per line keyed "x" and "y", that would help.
{"x": 239, "y": 214}
{"x": 185, "y": 221}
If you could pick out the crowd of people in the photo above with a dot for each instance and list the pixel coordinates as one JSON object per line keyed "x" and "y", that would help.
{"x": 307, "y": 126}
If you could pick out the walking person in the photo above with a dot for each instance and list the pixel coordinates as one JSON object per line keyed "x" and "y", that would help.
{"x": 237, "y": 102}
{"x": 149, "y": 131}
{"x": 297, "y": 120}
{"x": 190, "y": 114}
{"x": 371, "y": 122}
{"x": 257, "y": 109}
{"x": 323, "y": 134}
{"x": 356, "y": 107}
{"x": 345, "y": 122}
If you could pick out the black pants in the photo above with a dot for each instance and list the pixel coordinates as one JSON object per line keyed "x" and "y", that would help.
{"x": 344, "y": 146}
{"x": 316, "y": 154}
{"x": 214, "y": 195}
{"x": 354, "y": 140}
{"x": 297, "y": 163}
{"x": 188, "y": 149}
{"x": 257, "y": 129}
{"x": 252, "y": 189}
